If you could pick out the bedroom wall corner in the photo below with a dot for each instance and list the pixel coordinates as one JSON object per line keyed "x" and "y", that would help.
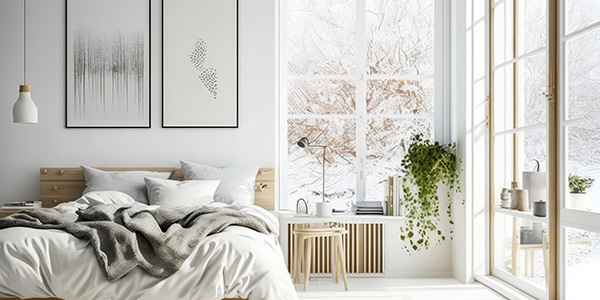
{"x": 469, "y": 90}
{"x": 461, "y": 243}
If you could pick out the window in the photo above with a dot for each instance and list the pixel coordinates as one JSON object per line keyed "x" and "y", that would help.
{"x": 532, "y": 55}
{"x": 580, "y": 140}
{"x": 519, "y": 137}
{"x": 581, "y": 105}
{"x": 361, "y": 76}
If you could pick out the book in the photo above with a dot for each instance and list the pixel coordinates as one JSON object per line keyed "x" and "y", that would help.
{"x": 398, "y": 195}
{"x": 368, "y": 208}
{"x": 374, "y": 212}
{"x": 368, "y": 204}
{"x": 21, "y": 205}
{"x": 390, "y": 211}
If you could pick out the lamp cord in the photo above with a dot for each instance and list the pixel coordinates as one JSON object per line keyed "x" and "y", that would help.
{"x": 324, "y": 152}
{"x": 25, "y": 42}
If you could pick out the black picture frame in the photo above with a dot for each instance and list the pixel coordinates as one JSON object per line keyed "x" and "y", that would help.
{"x": 236, "y": 125}
{"x": 147, "y": 87}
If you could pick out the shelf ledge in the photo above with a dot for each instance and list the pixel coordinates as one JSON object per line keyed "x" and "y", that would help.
{"x": 292, "y": 217}
{"x": 520, "y": 214}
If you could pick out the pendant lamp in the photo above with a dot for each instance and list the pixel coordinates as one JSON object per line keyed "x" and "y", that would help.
{"x": 24, "y": 110}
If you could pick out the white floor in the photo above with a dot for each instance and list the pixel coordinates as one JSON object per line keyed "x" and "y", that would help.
{"x": 396, "y": 288}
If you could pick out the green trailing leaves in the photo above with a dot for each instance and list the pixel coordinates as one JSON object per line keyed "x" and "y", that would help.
{"x": 426, "y": 166}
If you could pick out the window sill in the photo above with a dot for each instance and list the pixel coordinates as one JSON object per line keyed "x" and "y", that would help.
{"x": 502, "y": 288}
{"x": 290, "y": 217}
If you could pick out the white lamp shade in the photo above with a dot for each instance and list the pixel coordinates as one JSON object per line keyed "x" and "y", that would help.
{"x": 24, "y": 110}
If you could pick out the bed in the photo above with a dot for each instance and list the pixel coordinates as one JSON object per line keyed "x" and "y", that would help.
{"x": 238, "y": 263}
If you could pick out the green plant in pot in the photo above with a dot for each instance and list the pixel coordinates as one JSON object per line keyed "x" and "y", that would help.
{"x": 578, "y": 197}
{"x": 427, "y": 165}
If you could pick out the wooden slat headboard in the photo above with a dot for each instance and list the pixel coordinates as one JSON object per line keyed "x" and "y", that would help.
{"x": 58, "y": 185}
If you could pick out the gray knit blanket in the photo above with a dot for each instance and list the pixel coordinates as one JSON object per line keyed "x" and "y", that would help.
{"x": 158, "y": 240}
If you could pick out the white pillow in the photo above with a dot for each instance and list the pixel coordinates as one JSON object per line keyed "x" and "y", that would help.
{"x": 105, "y": 197}
{"x": 237, "y": 183}
{"x": 171, "y": 193}
{"x": 128, "y": 182}
{"x": 97, "y": 198}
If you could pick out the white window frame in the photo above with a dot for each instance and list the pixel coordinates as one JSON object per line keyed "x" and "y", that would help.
{"x": 568, "y": 217}
{"x": 497, "y": 271}
{"x": 442, "y": 103}
{"x": 573, "y": 218}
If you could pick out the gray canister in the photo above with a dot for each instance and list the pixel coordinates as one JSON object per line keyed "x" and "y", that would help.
{"x": 539, "y": 208}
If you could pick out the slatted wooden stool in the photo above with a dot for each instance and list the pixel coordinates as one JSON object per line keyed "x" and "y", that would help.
{"x": 304, "y": 239}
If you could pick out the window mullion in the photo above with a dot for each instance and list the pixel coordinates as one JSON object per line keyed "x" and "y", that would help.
{"x": 361, "y": 98}
{"x": 282, "y": 107}
{"x": 516, "y": 157}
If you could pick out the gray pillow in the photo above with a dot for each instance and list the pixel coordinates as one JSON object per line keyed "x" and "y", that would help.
{"x": 128, "y": 182}
{"x": 237, "y": 183}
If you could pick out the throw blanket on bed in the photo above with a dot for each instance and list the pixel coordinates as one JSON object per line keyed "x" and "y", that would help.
{"x": 158, "y": 240}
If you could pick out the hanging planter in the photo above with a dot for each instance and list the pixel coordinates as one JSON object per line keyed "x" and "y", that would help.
{"x": 426, "y": 166}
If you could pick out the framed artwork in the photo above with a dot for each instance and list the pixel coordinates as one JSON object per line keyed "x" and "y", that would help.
{"x": 200, "y": 63}
{"x": 108, "y": 64}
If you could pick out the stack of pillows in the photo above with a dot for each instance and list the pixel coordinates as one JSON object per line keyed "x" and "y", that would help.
{"x": 202, "y": 185}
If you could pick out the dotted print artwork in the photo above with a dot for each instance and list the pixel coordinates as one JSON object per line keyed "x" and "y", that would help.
{"x": 207, "y": 75}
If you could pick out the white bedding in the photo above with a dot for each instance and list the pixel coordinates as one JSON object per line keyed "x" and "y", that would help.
{"x": 239, "y": 262}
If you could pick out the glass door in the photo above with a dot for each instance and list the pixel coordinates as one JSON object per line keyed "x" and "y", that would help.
{"x": 579, "y": 44}
{"x": 519, "y": 141}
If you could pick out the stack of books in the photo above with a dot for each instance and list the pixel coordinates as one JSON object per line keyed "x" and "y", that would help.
{"x": 368, "y": 208}
{"x": 22, "y": 205}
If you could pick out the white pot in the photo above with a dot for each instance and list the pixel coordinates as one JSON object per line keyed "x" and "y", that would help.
{"x": 579, "y": 201}
{"x": 324, "y": 209}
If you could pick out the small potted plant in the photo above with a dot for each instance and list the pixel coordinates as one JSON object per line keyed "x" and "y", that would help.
{"x": 579, "y": 185}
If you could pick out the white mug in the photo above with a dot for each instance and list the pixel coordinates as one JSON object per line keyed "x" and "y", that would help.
{"x": 324, "y": 209}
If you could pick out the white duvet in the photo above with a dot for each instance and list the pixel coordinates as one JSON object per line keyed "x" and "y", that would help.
{"x": 239, "y": 262}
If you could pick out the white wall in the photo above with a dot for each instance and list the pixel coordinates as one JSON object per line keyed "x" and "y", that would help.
{"x": 437, "y": 261}
{"x": 469, "y": 90}
{"x": 25, "y": 148}
{"x": 461, "y": 249}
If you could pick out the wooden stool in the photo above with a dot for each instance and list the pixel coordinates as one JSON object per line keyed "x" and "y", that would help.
{"x": 304, "y": 238}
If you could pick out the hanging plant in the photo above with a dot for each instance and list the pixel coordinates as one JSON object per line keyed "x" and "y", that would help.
{"x": 426, "y": 165}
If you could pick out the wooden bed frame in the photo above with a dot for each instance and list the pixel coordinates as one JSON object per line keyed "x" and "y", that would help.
{"x": 58, "y": 185}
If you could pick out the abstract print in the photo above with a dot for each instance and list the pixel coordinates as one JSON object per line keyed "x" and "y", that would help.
{"x": 207, "y": 75}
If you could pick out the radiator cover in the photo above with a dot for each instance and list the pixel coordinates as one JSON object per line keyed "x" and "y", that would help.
{"x": 363, "y": 248}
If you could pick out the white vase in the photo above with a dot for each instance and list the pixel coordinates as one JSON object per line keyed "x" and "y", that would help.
{"x": 535, "y": 183}
{"x": 579, "y": 201}
{"x": 324, "y": 210}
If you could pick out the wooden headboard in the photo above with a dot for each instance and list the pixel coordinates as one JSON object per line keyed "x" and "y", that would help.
{"x": 58, "y": 185}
